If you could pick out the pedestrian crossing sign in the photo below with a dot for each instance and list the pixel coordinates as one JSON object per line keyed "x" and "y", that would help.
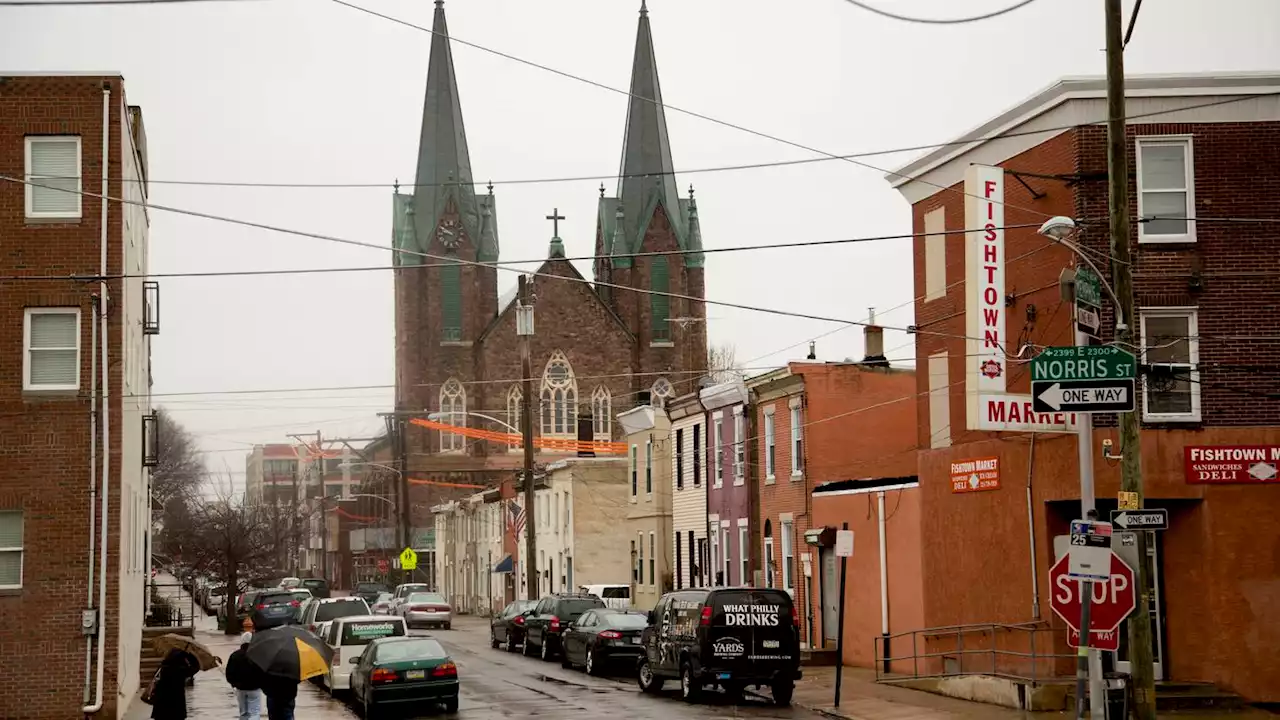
{"x": 408, "y": 559}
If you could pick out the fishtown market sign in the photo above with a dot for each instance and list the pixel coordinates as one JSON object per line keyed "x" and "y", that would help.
{"x": 990, "y": 406}
{"x": 975, "y": 475}
{"x": 1232, "y": 464}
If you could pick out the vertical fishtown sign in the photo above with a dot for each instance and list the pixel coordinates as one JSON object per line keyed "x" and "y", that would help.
{"x": 989, "y": 404}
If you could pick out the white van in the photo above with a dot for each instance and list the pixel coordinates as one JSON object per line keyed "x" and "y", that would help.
{"x": 617, "y": 597}
{"x": 348, "y": 636}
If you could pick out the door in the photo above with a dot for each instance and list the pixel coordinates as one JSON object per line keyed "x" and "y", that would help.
{"x": 830, "y": 597}
{"x": 1156, "y": 609}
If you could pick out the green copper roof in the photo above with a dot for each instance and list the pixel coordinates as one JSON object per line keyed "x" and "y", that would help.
{"x": 444, "y": 164}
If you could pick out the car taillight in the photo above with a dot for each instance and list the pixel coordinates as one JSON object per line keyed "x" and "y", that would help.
{"x": 295, "y": 603}
{"x": 611, "y": 634}
{"x": 382, "y": 675}
{"x": 518, "y": 620}
{"x": 555, "y": 624}
{"x": 418, "y": 608}
{"x": 795, "y": 616}
{"x": 706, "y": 616}
{"x": 445, "y": 670}
{"x": 262, "y": 606}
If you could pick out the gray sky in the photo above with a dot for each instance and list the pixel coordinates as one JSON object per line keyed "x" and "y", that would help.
{"x": 310, "y": 91}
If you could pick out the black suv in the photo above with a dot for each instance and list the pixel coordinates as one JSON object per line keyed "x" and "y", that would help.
{"x": 731, "y": 637}
{"x": 319, "y": 587}
{"x": 545, "y": 622}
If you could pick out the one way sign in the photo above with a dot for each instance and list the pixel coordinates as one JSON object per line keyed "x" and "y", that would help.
{"x": 1083, "y": 396}
{"x": 1150, "y": 519}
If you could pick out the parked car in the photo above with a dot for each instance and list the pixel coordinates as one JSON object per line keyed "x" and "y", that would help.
{"x": 213, "y": 597}
{"x": 602, "y": 637}
{"x": 426, "y": 609}
{"x": 381, "y": 605}
{"x": 369, "y": 591}
{"x": 617, "y": 597}
{"x": 289, "y": 583}
{"x": 321, "y": 610}
{"x": 319, "y": 587}
{"x": 731, "y": 637}
{"x": 403, "y": 591}
{"x": 554, "y": 613}
{"x": 348, "y": 636}
{"x": 276, "y": 607}
{"x": 404, "y": 671}
{"x": 508, "y": 625}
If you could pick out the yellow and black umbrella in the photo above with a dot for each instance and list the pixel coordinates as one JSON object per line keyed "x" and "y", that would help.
{"x": 289, "y": 652}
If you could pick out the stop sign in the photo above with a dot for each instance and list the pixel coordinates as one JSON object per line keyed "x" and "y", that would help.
{"x": 1112, "y": 600}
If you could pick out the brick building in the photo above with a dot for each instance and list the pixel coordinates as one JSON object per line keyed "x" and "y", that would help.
{"x": 732, "y": 502}
{"x": 74, "y": 396}
{"x": 1204, "y": 150}
{"x": 599, "y": 348}
{"x": 271, "y": 474}
{"x": 833, "y": 423}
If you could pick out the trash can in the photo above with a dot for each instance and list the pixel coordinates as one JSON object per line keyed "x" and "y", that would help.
{"x": 1117, "y": 684}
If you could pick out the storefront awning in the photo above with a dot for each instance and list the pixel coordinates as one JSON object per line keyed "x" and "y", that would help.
{"x": 505, "y": 565}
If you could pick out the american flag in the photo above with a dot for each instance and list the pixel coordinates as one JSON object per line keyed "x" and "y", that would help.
{"x": 515, "y": 518}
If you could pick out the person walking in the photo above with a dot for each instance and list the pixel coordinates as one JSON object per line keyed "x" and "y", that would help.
{"x": 247, "y": 681}
{"x": 282, "y": 696}
{"x": 169, "y": 687}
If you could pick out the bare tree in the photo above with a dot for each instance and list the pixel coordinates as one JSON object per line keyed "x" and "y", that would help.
{"x": 179, "y": 468}
{"x": 722, "y": 363}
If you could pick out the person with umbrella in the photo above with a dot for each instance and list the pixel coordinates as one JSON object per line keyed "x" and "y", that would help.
{"x": 169, "y": 687}
{"x": 286, "y": 655}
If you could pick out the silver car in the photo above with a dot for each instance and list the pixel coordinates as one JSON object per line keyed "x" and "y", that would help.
{"x": 426, "y": 610}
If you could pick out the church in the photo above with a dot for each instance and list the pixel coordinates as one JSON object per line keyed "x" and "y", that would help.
{"x": 633, "y": 334}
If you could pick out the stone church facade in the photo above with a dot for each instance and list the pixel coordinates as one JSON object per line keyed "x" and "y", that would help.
{"x": 600, "y": 347}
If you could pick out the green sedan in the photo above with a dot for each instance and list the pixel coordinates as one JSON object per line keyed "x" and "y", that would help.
{"x": 403, "y": 671}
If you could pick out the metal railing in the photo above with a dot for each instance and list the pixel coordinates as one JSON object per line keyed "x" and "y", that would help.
{"x": 169, "y": 605}
{"x": 1032, "y": 652}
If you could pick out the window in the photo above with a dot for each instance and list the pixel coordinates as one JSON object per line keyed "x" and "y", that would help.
{"x": 640, "y": 563}
{"x": 661, "y": 392}
{"x": 935, "y": 254}
{"x": 715, "y": 557}
{"x": 797, "y": 440}
{"x": 659, "y": 300}
{"x": 602, "y": 413}
{"x": 515, "y": 413}
{"x": 788, "y": 559}
{"x": 697, "y": 455}
{"x": 679, "y": 460}
{"x": 768, "y": 553}
{"x": 53, "y": 164}
{"x": 635, "y": 564}
{"x": 451, "y": 303}
{"x": 559, "y": 398}
{"x": 769, "y": 442}
{"x": 1166, "y": 189}
{"x": 635, "y": 470}
{"x": 10, "y": 549}
{"x": 739, "y": 447}
{"x": 1172, "y": 386}
{"x": 453, "y": 410}
{"x": 717, "y": 453}
{"x": 728, "y": 561}
{"x": 52, "y": 359}
{"x": 679, "y": 574}
{"x": 744, "y": 550}
{"x": 939, "y": 401}
{"x": 555, "y": 512}
{"x": 653, "y": 558}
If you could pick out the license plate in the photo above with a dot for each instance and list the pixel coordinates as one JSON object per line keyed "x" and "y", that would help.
{"x": 722, "y": 676}
{"x": 415, "y": 674}
{"x": 635, "y": 641}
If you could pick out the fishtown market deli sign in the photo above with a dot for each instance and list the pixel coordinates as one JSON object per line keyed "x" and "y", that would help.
{"x": 1232, "y": 464}
{"x": 990, "y": 405}
{"x": 975, "y": 475}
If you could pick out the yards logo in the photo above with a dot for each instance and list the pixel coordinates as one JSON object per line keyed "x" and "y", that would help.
{"x": 728, "y": 647}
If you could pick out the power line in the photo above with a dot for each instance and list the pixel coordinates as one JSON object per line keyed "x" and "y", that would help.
{"x": 940, "y": 21}
{"x": 103, "y": 3}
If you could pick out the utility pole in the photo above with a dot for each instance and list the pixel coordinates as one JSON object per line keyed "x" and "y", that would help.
{"x": 1142, "y": 676}
{"x": 324, "y": 519}
{"x": 293, "y": 521}
{"x": 524, "y": 330}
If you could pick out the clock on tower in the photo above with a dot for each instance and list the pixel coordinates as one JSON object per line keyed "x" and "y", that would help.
{"x": 449, "y": 233}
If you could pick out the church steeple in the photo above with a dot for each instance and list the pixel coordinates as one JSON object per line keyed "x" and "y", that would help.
{"x": 647, "y": 173}
{"x": 444, "y": 164}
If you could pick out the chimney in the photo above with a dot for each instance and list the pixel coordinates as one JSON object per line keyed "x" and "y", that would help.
{"x": 873, "y": 335}
{"x": 813, "y": 353}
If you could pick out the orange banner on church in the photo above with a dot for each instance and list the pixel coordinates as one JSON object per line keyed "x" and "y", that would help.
{"x": 515, "y": 440}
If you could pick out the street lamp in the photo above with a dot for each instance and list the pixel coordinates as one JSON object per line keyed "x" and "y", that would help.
{"x": 440, "y": 417}
{"x": 1062, "y": 230}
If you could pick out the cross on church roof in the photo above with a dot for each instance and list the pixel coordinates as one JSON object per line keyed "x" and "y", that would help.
{"x": 555, "y": 217}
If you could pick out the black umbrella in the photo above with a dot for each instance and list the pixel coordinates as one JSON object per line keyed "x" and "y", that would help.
{"x": 290, "y": 653}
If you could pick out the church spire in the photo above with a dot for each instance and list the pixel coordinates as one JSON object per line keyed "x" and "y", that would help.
{"x": 444, "y": 164}
{"x": 647, "y": 170}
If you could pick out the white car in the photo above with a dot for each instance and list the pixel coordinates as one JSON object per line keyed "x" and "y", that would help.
{"x": 617, "y": 597}
{"x": 348, "y": 637}
{"x": 426, "y": 609}
{"x": 322, "y": 610}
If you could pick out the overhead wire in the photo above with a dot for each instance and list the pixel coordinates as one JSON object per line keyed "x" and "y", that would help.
{"x": 940, "y": 21}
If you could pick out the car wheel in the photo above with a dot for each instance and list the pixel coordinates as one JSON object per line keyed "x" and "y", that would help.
{"x": 526, "y": 648}
{"x": 511, "y": 643}
{"x": 448, "y": 626}
{"x": 690, "y": 688}
{"x": 545, "y": 649}
{"x": 493, "y": 640}
{"x": 593, "y": 668}
{"x": 451, "y": 704}
{"x": 782, "y": 693}
{"x": 648, "y": 682}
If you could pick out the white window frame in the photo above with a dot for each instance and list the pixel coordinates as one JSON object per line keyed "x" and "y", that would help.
{"x": 728, "y": 554}
{"x": 744, "y": 547}
{"x": 648, "y": 468}
{"x": 739, "y": 446}
{"x": 20, "y": 549}
{"x": 797, "y": 439}
{"x": 788, "y": 558}
{"x": 640, "y": 557}
{"x": 768, "y": 562}
{"x": 30, "y": 190}
{"x": 1193, "y": 350}
{"x": 770, "y": 447}
{"x": 635, "y": 471}
{"x": 718, "y": 454}
{"x": 715, "y": 556}
{"x": 26, "y": 349}
{"x": 1189, "y": 169}
{"x": 653, "y": 559}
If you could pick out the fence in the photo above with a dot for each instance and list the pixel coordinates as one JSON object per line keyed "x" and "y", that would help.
{"x": 170, "y": 606}
{"x": 1031, "y": 652}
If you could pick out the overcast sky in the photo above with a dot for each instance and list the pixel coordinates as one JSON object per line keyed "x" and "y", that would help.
{"x": 308, "y": 91}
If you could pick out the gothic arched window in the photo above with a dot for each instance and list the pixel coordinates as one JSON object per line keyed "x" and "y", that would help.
{"x": 661, "y": 392}
{"x": 559, "y": 398}
{"x": 514, "y": 414}
{"x": 602, "y": 412}
{"x": 453, "y": 409}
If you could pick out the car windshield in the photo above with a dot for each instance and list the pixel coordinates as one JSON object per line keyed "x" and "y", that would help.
{"x": 576, "y": 606}
{"x": 521, "y": 606}
{"x": 363, "y": 632}
{"x": 301, "y": 595}
{"x": 344, "y": 607}
{"x": 370, "y": 587}
{"x": 417, "y": 649}
{"x": 276, "y": 598}
{"x": 383, "y": 597}
{"x": 313, "y": 583}
{"x": 617, "y": 591}
{"x": 624, "y": 620}
{"x": 421, "y": 597}
{"x": 410, "y": 589}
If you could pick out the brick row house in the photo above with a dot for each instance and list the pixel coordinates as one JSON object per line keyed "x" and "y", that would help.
{"x": 76, "y": 427}
{"x": 1204, "y": 153}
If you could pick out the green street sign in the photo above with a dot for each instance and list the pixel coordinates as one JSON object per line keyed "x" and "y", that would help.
{"x": 1095, "y": 362}
{"x": 1088, "y": 287}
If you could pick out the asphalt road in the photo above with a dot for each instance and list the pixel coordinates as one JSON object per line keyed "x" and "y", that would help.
{"x": 497, "y": 684}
